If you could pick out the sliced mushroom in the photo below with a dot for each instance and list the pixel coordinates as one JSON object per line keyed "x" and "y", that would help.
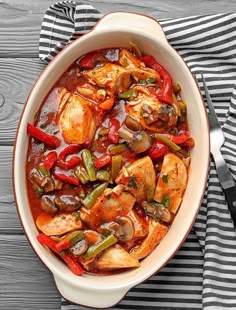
{"x": 122, "y": 228}
{"x": 132, "y": 123}
{"x": 138, "y": 141}
{"x": 68, "y": 203}
{"x": 79, "y": 248}
{"x": 47, "y": 204}
{"x": 39, "y": 181}
{"x": 157, "y": 211}
{"x": 127, "y": 228}
{"x": 48, "y": 184}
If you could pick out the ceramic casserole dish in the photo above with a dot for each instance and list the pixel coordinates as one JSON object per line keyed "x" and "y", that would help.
{"x": 117, "y": 30}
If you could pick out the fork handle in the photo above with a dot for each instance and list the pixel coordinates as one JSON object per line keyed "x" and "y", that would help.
{"x": 230, "y": 195}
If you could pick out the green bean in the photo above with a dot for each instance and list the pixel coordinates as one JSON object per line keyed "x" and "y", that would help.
{"x": 82, "y": 174}
{"x": 91, "y": 198}
{"x": 103, "y": 175}
{"x": 43, "y": 170}
{"x": 97, "y": 248}
{"x": 115, "y": 166}
{"x": 117, "y": 148}
{"x": 88, "y": 162}
{"x": 130, "y": 93}
{"x": 168, "y": 142}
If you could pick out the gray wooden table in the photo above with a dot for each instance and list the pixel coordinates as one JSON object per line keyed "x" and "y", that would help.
{"x": 25, "y": 283}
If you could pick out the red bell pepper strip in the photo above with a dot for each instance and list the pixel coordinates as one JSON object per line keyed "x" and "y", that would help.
{"x": 72, "y": 264}
{"x": 50, "y": 160}
{"x": 182, "y": 138}
{"x": 42, "y": 136}
{"x": 114, "y": 125}
{"x": 89, "y": 60}
{"x": 157, "y": 150}
{"x": 66, "y": 178}
{"x": 74, "y": 160}
{"x": 165, "y": 93}
{"x": 68, "y": 259}
{"x": 48, "y": 241}
{"x": 107, "y": 104}
{"x": 102, "y": 161}
{"x": 69, "y": 240}
{"x": 189, "y": 143}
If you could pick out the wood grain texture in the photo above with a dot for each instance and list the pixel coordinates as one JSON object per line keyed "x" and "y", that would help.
{"x": 9, "y": 221}
{"x": 20, "y": 21}
{"x": 25, "y": 283}
{"x": 17, "y": 76}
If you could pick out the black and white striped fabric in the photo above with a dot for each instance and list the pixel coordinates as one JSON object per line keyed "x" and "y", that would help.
{"x": 202, "y": 275}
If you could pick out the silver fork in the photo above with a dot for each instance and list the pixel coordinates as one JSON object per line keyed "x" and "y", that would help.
{"x": 217, "y": 139}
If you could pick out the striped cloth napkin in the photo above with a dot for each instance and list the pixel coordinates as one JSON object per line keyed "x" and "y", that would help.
{"x": 202, "y": 275}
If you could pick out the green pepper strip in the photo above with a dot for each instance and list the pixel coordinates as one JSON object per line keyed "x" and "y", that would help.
{"x": 167, "y": 141}
{"x": 88, "y": 162}
{"x": 69, "y": 240}
{"x": 103, "y": 175}
{"x": 91, "y": 198}
{"x": 82, "y": 174}
{"x": 43, "y": 170}
{"x": 130, "y": 93}
{"x": 97, "y": 248}
{"x": 115, "y": 166}
{"x": 117, "y": 148}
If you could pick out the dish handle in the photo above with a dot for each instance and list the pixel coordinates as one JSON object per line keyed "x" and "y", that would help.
{"x": 131, "y": 21}
{"x": 89, "y": 297}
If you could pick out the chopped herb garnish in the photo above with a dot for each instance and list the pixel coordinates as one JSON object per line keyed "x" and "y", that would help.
{"x": 103, "y": 220}
{"x": 43, "y": 170}
{"x": 166, "y": 201}
{"x": 40, "y": 191}
{"x": 165, "y": 178}
{"x": 132, "y": 182}
{"x": 42, "y": 126}
{"x": 77, "y": 215}
{"x": 62, "y": 253}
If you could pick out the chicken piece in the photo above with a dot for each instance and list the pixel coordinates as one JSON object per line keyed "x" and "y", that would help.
{"x": 136, "y": 67}
{"x": 111, "y": 204}
{"x": 77, "y": 120}
{"x": 57, "y": 225}
{"x": 112, "y": 77}
{"x": 62, "y": 98}
{"x": 140, "y": 230}
{"x": 156, "y": 233}
{"x": 127, "y": 59}
{"x": 144, "y": 73}
{"x": 116, "y": 257}
{"x": 88, "y": 91}
{"x": 137, "y": 107}
{"x": 139, "y": 178}
{"x": 171, "y": 182}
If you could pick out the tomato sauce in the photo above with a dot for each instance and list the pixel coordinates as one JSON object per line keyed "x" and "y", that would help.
{"x": 125, "y": 113}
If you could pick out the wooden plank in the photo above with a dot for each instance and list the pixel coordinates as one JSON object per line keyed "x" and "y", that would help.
{"x": 19, "y": 32}
{"x": 9, "y": 221}
{"x": 16, "y": 79}
{"x": 25, "y": 282}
